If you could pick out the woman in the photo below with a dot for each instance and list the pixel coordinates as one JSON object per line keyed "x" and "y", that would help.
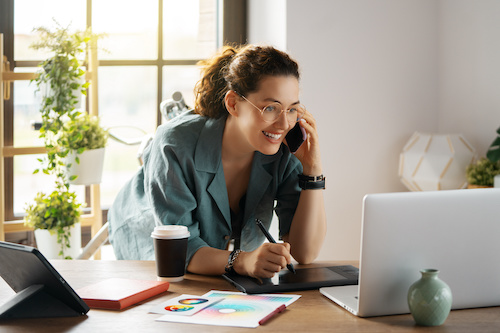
{"x": 222, "y": 166}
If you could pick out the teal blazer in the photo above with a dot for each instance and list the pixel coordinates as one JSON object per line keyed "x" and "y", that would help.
{"x": 182, "y": 182}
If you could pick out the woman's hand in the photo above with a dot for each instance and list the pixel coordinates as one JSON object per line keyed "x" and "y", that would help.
{"x": 308, "y": 153}
{"x": 265, "y": 261}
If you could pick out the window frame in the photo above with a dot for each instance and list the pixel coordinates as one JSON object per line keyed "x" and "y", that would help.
{"x": 232, "y": 30}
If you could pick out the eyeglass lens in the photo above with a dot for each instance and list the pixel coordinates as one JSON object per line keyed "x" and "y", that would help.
{"x": 273, "y": 112}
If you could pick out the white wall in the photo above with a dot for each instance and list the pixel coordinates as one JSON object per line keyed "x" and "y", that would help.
{"x": 373, "y": 72}
{"x": 268, "y": 22}
{"x": 469, "y": 63}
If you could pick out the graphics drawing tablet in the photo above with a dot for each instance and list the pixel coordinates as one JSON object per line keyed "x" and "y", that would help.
{"x": 304, "y": 279}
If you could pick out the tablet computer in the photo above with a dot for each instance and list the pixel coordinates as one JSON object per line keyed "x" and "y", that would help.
{"x": 303, "y": 279}
{"x": 40, "y": 290}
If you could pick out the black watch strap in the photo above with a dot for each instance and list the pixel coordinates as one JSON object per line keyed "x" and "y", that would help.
{"x": 312, "y": 182}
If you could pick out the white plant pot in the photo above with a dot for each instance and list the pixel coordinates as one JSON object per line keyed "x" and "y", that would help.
{"x": 496, "y": 181}
{"x": 47, "y": 243}
{"x": 89, "y": 170}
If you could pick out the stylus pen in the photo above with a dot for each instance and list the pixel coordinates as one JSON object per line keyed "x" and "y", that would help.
{"x": 271, "y": 240}
{"x": 281, "y": 308}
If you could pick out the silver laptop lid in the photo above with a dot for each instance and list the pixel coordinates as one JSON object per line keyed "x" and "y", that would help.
{"x": 456, "y": 232}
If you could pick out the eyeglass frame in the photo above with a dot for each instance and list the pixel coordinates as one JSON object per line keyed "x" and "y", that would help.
{"x": 262, "y": 110}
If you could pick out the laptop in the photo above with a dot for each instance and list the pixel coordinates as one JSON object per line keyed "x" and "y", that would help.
{"x": 454, "y": 231}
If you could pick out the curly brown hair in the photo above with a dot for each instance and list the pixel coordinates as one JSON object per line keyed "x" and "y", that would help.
{"x": 239, "y": 69}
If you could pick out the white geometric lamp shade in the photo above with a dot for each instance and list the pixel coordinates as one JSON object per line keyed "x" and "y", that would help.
{"x": 431, "y": 162}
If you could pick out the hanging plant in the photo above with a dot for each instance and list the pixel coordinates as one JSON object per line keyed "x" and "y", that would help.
{"x": 61, "y": 80}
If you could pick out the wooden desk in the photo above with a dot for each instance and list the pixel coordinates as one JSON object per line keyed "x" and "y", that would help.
{"x": 311, "y": 313}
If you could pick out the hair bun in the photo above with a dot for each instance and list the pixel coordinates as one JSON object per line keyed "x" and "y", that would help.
{"x": 240, "y": 69}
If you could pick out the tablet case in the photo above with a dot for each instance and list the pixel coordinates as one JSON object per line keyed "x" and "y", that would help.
{"x": 304, "y": 279}
{"x": 41, "y": 290}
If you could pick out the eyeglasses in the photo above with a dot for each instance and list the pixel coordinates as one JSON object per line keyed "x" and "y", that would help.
{"x": 273, "y": 111}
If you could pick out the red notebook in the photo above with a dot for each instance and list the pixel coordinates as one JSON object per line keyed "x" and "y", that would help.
{"x": 117, "y": 294}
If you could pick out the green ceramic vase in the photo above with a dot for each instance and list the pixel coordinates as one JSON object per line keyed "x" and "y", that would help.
{"x": 429, "y": 299}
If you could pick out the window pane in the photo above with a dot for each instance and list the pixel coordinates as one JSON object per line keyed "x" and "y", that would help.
{"x": 27, "y": 104}
{"x": 120, "y": 164}
{"x": 189, "y": 29}
{"x": 180, "y": 78}
{"x": 130, "y": 28}
{"x": 27, "y": 184}
{"x": 127, "y": 97}
{"x": 29, "y": 14}
{"x": 26, "y": 109}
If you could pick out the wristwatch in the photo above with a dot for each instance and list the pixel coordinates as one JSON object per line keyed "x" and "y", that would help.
{"x": 230, "y": 261}
{"x": 312, "y": 182}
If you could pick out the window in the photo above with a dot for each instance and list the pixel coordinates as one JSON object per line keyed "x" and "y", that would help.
{"x": 150, "y": 50}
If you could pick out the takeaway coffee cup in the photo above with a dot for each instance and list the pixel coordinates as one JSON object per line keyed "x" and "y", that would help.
{"x": 170, "y": 244}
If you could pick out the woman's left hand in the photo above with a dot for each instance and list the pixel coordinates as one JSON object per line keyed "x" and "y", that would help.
{"x": 308, "y": 153}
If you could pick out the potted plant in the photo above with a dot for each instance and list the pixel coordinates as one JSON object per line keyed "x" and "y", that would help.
{"x": 56, "y": 220}
{"x": 86, "y": 141}
{"x": 482, "y": 173}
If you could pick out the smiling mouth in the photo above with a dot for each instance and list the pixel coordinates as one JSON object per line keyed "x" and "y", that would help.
{"x": 272, "y": 135}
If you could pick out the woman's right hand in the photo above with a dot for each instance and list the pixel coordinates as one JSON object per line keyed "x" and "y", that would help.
{"x": 267, "y": 260}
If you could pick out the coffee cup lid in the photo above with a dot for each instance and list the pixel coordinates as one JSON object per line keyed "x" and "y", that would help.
{"x": 170, "y": 232}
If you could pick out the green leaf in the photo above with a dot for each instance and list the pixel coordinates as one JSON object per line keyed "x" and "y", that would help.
{"x": 493, "y": 153}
